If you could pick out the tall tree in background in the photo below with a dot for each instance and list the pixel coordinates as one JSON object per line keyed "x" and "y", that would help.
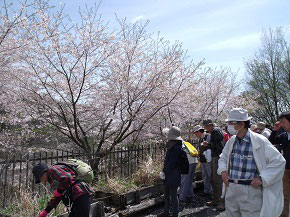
{"x": 14, "y": 17}
{"x": 97, "y": 87}
{"x": 269, "y": 76}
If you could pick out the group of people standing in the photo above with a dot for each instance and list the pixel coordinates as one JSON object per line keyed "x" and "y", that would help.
{"x": 242, "y": 170}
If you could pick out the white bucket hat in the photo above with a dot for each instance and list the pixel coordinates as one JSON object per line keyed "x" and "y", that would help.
{"x": 238, "y": 114}
{"x": 174, "y": 134}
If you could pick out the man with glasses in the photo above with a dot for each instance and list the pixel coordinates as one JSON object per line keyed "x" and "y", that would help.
{"x": 252, "y": 171}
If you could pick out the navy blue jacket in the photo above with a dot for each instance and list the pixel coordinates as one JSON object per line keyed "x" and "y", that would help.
{"x": 285, "y": 145}
{"x": 171, "y": 164}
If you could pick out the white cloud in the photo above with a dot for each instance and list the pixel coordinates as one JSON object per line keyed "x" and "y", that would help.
{"x": 137, "y": 18}
{"x": 235, "y": 43}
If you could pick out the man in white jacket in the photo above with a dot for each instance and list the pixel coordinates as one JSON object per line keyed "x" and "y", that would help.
{"x": 252, "y": 171}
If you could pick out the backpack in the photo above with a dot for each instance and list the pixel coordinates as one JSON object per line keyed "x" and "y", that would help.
{"x": 183, "y": 163}
{"x": 191, "y": 149}
{"x": 83, "y": 171}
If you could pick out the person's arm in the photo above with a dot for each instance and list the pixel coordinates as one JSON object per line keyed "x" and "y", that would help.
{"x": 64, "y": 180}
{"x": 274, "y": 169}
{"x": 52, "y": 204}
{"x": 223, "y": 160}
{"x": 275, "y": 138}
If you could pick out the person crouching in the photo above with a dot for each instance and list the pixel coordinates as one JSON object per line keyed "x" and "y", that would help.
{"x": 66, "y": 188}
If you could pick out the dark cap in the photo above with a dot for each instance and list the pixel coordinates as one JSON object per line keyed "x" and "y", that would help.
{"x": 38, "y": 170}
{"x": 207, "y": 122}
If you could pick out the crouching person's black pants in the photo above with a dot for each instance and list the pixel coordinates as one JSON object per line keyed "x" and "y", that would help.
{"x": 81, "y": 206}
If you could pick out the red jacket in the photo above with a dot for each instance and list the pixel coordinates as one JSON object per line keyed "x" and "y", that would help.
{"x": 62, "y": 178}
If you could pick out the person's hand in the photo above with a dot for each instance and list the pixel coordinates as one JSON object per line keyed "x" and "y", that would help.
{"x": 56, "y": 194}
{"x": 162, "y": 175}
{"x": 256, "y": 182}
{"x": 277, "y": 126}
{"x": 43, "y": 214}
{"x": 225, "y": 178}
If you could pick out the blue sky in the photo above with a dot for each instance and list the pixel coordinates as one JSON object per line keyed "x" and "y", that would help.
{"x": 223, "y": 32}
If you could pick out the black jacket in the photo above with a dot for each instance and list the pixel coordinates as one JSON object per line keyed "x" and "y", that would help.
{"x": 216, "y": 143}
{"x": 171, "y": 164}
{"x": 282, "y": 139}
{"x": 202, "y": 149}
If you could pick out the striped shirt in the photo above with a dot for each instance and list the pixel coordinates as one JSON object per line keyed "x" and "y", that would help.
{"x": 242, "y": 162}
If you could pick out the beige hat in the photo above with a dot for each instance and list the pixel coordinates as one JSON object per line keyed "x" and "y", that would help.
{"x": 261, "y": 125}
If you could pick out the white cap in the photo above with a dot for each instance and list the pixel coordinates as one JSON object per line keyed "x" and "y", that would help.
{"x": 238, "y": 114}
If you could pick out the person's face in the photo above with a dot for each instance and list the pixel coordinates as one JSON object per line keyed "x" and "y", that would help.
{"x": 43, "y": 178}
{"x": 208, "y": 128}
{"x": 237, "y": 125}
{"x": 285, "y": 124}
{"x": 259, "y": 130}
{"x": 198, "y": 134}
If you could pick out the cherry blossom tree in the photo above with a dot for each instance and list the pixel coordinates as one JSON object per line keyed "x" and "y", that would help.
{"x": 96, "y": 86}
{"x": 14, "y": 16}
{"x": 102, "y": 87}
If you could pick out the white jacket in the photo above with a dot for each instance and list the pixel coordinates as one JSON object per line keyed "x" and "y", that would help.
{"x": 266, "y": 132}
{"x": 271, "y": 166}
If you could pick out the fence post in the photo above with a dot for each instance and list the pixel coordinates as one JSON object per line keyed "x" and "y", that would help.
{"x": 27, "y": 167}
{"x": 128, "y": 160}
{"x": 118, "y": 162}
{"x": 62, "y": 156}
{"x": 20, "y": 173}
{"x": 113, "y": 162}
{"x": 5, "y": 181}
{"x": 13, "y": 169}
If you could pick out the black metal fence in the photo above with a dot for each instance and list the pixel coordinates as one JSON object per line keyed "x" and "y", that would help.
{"x": 16, "y": 170}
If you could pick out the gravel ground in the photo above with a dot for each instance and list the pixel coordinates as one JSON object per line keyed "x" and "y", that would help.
{"x": 196, "y": 208}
